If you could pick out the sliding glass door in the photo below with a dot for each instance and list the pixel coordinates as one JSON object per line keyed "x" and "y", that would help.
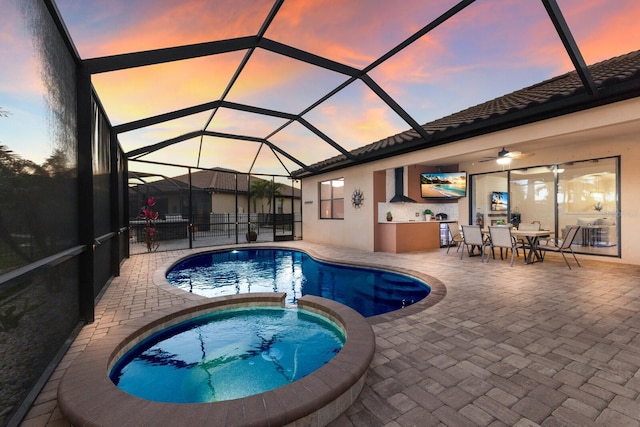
{"x": 532, "y": 196}
{"x": 588, "y": 196}
{"x": 584, "y": 193}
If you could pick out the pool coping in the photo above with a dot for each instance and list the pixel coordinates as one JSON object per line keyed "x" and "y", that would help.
{"x": 86, "y": 395}
{"x": 437, "y": 294}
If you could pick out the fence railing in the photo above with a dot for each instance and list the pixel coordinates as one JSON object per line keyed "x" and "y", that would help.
{"x": 224, "y": 226}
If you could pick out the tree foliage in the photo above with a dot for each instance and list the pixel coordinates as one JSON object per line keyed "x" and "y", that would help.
{"x": 36, "y": 208}
{"x": 264, "y": 191}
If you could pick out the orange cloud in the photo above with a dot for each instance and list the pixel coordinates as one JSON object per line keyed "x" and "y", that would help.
{"x": 140, "y": 92}
{"x": 166, "y": 24}
{"x": 613, "y": 33}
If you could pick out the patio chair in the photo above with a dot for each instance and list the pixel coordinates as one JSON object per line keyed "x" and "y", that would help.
{"x": 500, "y": 237}
{"x": 563, "y": 245}
{"x": 455, "y": 238}
{"x": 472, "y": 237}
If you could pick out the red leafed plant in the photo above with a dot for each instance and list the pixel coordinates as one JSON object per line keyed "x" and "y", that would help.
{"x": 150, "y": 216}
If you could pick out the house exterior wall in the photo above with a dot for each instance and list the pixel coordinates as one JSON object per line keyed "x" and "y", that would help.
{"x": 286, "y": 205}
{"x": 611, "y": 130}
{"x": 226, "y": 203}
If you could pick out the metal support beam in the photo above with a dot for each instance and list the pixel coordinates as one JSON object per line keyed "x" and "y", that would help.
{"x": 263, "y": 29}
{"x": 166, "y": 143}
{"x": 325, "y": 138}
{"x": 288, "y": 116}
{"x": 161, "y": 118}
{"x": 570, "y": 45}
{"x": 308, "y": 57}
{"x": 159, "y": 56}
{"x": 155, "y": 147}
{"x": 85, "y": 195}
{"x": 219, "y": 104}
{"x": 114, "y": 204}
{"x": 424, "y": 30}
{"x": 190, "y": 230}
{"x": 396, "y": 107}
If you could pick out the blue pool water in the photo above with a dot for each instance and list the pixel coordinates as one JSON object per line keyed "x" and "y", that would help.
{"x": 366, "y": 290}
{"x": 228, "y": 355}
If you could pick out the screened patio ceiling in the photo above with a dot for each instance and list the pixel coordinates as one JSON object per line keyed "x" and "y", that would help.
{"x": 273, "y": 87}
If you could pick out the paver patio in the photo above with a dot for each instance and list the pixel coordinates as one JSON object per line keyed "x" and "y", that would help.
{"x": 507, "y": 346}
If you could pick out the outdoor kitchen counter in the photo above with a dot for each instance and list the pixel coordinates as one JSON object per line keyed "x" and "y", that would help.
{"x": 407, "y": 236}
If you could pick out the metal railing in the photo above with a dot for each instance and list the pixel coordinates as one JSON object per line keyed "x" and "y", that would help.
{"x": 177, "y": 231}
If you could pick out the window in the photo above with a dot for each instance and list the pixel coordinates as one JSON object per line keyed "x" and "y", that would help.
{"x": 332, "y": 199}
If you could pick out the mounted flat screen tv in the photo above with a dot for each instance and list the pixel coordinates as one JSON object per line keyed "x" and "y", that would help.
{"x": 499, "y": 201}
{"x": 443, "y": 185}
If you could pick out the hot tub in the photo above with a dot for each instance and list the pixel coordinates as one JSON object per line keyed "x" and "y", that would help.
{"x": 87, "y": 396}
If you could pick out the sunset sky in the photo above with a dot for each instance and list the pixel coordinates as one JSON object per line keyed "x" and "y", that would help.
{"x": 491, "y": 48}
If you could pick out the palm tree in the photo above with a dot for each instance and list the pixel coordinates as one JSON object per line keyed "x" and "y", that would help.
{"x": 264, "y": 190}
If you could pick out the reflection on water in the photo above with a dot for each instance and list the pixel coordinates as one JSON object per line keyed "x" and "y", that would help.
{"x": 228, "y": 355}
{"x": 38, "y": 196}
{"x": 368, "y": 291}
{"x": 38, "y": 207}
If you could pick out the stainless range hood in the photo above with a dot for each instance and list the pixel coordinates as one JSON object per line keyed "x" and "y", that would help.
{"x": 398, "y": 196}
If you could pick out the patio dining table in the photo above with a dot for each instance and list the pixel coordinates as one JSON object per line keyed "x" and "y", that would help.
{"x": 533, "y": 242}
{"x": 532, "y": 238}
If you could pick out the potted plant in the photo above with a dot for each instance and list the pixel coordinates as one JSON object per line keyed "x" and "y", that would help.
{"x": 150, "y": 216}
{"x": 251, "y": 234}
{"x": 428, "y": 213}
{"x": 389, "y": 216}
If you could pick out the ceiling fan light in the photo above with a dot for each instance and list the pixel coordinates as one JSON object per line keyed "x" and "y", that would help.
{"x": 503, "y": 153}
{"x": 503, "y": 160}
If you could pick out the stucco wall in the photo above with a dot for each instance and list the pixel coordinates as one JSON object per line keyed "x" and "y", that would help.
{"x": 600, "y": 132}
{"x": 226, "y": 203}
{"x": 356, "y": 230}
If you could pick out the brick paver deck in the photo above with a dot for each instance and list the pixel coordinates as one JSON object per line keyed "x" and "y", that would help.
{"x": 507, "y": 346}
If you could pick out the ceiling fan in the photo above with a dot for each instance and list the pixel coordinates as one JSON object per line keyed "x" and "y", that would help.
{"x": 505, "y": 156}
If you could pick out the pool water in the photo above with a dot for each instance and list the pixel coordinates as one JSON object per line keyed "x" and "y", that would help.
{"x": 228, "y": 355}
{"x": 366, "y": 290}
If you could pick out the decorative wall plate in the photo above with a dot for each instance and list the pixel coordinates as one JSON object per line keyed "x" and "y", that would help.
{"x": 357, "y": 198}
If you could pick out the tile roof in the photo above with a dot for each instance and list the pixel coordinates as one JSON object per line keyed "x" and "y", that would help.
{"x": 217, "y": 179}
{"x": 223, "y": 180}
{"x": 616, "y": 79}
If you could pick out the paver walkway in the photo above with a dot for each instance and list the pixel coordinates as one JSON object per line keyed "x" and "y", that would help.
{"x": 507, "y": 346}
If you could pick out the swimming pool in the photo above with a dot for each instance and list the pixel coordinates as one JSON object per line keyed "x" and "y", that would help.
{"x": 367, "y": 290}
{"x": 228, "y": 355}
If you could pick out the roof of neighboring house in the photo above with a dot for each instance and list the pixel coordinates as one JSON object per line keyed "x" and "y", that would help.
{"x": 616, "y": 79}
{"x": 218, "y": 179}
{"x": 224, "y": 181}
{"x": 150, "y": 180}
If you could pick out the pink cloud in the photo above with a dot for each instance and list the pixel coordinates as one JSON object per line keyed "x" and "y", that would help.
{"x": 602, "y": 31}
